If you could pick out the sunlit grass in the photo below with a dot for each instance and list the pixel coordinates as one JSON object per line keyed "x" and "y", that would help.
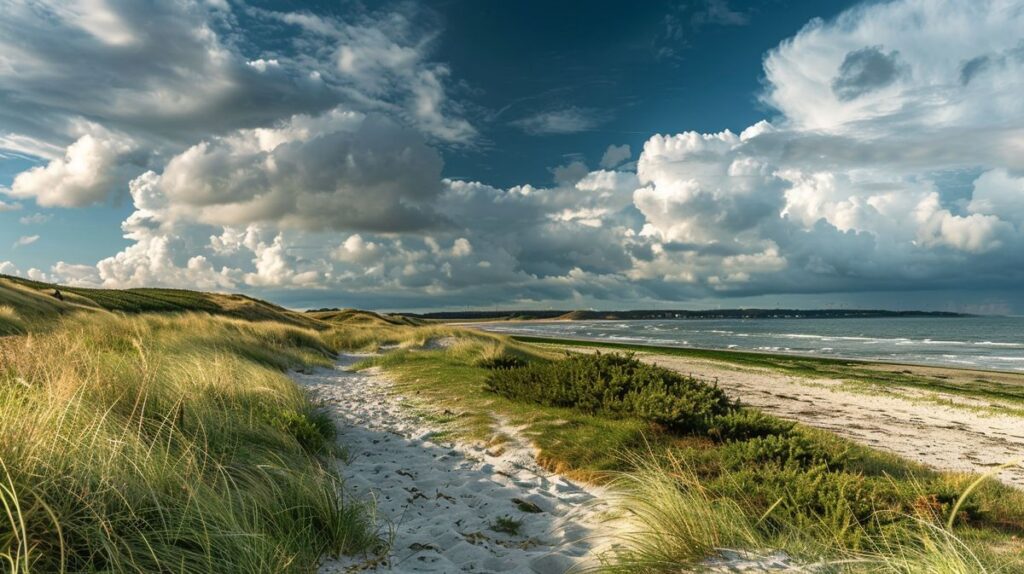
{"x": 10, "y": 322}
{"x": 156, "y": 443}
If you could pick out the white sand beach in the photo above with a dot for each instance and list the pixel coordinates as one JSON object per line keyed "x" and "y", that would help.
{"x": 941, "y": 430}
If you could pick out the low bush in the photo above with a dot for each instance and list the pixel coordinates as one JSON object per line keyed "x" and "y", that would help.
{"x": 842, "y": 506}
{"x": 501, "y": 362}
{"x": 792, "y": 449}
{"x": 745, "y": 424}
{"x": 616, "y": 385}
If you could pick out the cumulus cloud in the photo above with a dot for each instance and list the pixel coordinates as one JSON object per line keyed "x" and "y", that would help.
{"x": 898, "y": 66}
{"x": 86, "y": 174}
{"x": 999, "y": 193}
{"x": 155, "y": 78}
{"x": 844, "y": 188}
{"x": 615, "y": 156}
{"x": 353, "y": 172}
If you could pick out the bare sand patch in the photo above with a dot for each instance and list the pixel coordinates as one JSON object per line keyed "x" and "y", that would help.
{"x": 450, "y": 507}
{"x": 941, "y": 430}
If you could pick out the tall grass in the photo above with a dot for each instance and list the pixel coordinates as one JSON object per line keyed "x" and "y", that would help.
{"x": 680, "y": 521}
{"x": 378, "y": 336}
{"x": 158, "y": 444}
{"x": 10, "y": 322}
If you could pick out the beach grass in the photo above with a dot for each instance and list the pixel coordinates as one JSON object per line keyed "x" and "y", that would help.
{"x": 154, "y": 443}
{"x": 807, "y": 492}
{"x": 44, "y": 303}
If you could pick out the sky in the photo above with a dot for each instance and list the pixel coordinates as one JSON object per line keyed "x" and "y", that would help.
{"x": 453, "y": 154}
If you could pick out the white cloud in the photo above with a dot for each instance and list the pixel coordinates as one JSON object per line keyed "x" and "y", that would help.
{"x": 563, "y": 121}
{"x": 25, "y": 240}
{"x": 881, "y": 67}
{"x": 35, "y": 218}
{"x": 365, "y": 174}
{"x": 86, "y": 174}
{"x": 274, "y": 267}
{"x": 999, "y": 193}
{"x": 355, "y": 250}
{"x": 615, "y": 156}
{"x": 155, "y": 79}
{"x": 843, "y": 190}
{"x": 8, "y": 206}
{"x": 76, "y": 275}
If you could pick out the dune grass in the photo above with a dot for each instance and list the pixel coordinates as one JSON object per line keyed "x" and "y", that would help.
{"x": 745, "y": 480}
{"x": 37, "y": 301}
{"x": 10, "y": 322}
{"x": 680, "y": 520}
{"x": 167, "y": 443}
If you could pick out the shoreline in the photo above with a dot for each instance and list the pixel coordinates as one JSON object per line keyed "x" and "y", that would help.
{"x": 738, "y": 353}
{"x": 936, "y": 422}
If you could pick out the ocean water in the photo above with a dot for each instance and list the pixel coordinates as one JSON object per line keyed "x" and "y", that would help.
{"x": 995, "y": 343}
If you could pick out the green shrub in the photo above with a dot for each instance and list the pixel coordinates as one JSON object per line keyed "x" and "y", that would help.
{"x": 615, "y": 385}
{"x": 794, "y": 449}
{"x": 744, "y": 424}
{"x": 501, "y": 362}
{"x": 312, "y": 428}
{"x": 846, "y": 505}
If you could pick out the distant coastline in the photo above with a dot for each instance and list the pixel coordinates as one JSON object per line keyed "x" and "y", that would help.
{"x": 663, "y": 314}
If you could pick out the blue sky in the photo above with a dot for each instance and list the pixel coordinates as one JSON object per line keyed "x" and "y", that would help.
{"x": 416, "y": 155}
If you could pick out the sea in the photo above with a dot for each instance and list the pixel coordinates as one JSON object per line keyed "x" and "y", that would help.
{"x": 992, "y": 343}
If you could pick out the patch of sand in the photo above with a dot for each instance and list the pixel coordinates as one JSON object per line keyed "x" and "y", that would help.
{"x": 443, "y": 502}
{"x": 955, "y": 436}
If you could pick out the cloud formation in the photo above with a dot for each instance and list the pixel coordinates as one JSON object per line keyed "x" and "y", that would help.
{"x": 25, "y": 240}
{"x": 562, "y": 121}
{"x": 328, "y": 184}
{"x": 106, "y": 89}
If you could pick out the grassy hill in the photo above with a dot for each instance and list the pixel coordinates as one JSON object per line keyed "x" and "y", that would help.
{"x": 352, "y": 317}
{"x": 35, "y": 301}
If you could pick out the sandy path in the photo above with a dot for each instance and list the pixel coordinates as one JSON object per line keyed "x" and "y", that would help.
{"x": 443, "y": 500}
{"x": 908, "y": 422}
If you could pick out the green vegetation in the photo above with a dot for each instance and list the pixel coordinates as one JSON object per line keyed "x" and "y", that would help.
{"x": 10, "y": 322}
{"x": 718, "y": 476}
{"x": 615, "y": 385}
{"x": 166, "y": 443}
{"x": 507, "y": 525}
{"x": 37, "y": 301}
{"x": 980, "y": 384}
